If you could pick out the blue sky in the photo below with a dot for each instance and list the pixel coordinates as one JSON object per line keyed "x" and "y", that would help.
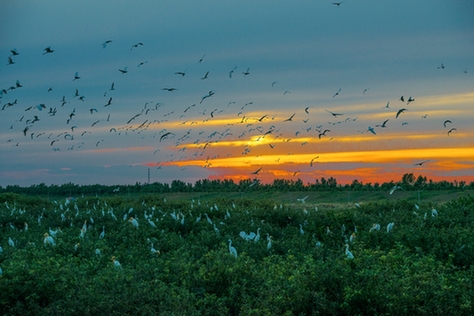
{"x": 299, "y": 54}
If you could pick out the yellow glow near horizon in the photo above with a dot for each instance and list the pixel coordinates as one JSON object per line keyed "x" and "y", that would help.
{"x": 372, "y": 156}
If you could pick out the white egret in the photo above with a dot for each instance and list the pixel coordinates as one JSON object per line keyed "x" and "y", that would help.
{"x": 269, "y": 244}
{"x": 102, "y": 234}
{"x": 151, "y": 223}
{"x": 390, "y": 226}
{"x": 301, "y": 229}
{"x": 48, "y": 240}
{"x": 434, "y": 213}
{"x": 134, "y": 222}
{"x": 198, "y": 219}
{"x": 232, "y": 250}
{"x": 117, "y": 264}
{"x": 348, "y": 253}
{"x": 208, "y": 219}
{"x": 97, "y": 252}
{"x": 11, "y": 243}
{"x": 352, "y": 238}
{"x": 375, "y": 227}
{"x": 257, "y": 237}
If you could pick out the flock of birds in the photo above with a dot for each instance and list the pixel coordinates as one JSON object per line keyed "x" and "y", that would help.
{"x": 152, "y": 218}
{"x": 179, "y": 132}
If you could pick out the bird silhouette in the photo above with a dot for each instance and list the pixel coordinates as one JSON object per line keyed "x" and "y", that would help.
{"x": 400, "y": 112}
{"x": 47, "y": 50}
{"x": 257, "y": 171}
{"x": 334, "y": 114}
{"x": 290, "y": 119}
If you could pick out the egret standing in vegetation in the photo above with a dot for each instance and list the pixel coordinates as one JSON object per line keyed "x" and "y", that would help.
{"x": 134, "y": 222}
{"x": 232, "y": 250}
{"x": 102, "y": 234}
{"x": 257, "y": 237}
{"x": 269, "y": 244}
{"x": 117, "y": 264}
{"x": 348, "y": 253}
{"x": 390, "y": 227}
{"x": 48, "y": 240}
{"x": 11, "y": 243}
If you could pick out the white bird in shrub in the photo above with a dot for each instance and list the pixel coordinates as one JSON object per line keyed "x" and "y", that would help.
{"x": 390, "y": 226}
{"x": 348, "y": 253}
{"x": 301, "y": 229}
{"x": 102, "y": 234}
{"x": 269, "y": 244}
{"x": 134, "y": 222}
{"x": 434, "y": 213}
{"x": 11, "y": 243}
{"x": 257, "y": 237}
{"x": 48, "y": 240}
{"x": 232, "y": 250}
{"x": 116, "y": 263}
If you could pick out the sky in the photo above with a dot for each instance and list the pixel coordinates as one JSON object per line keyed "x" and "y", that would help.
{"x": 189, "y": 90}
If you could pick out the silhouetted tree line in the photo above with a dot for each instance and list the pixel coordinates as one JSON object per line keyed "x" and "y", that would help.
{"x": 408, "y": 182}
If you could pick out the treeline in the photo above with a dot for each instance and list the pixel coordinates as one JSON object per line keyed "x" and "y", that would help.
{"x": 408, "y": 182}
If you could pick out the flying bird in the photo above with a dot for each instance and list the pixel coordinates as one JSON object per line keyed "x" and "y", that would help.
{"x": 311, "y": 162}
{"x": 334, "y": 114}
{"x": 338, "y": 3}
{"x": 400, "y": 112}
{"x": 384, "y": 124}
{"x": 257, "y": 171}
{"x": 10, "y": 61}
{"x": 421, "y": 163}
{"x": 47, "y": 50}
{"x": 124, "y": 70}
{"x": 76, "y": 76}
{"x": 104, "y": 44}
{"x": 447, "y": 121}
{"x": 205, "y": 76}
{"x": 165, "y": 135}
{"x": 323, "y": 133}
{"x": 136, "y": 45}
{"x": 246, "y": 73}
{"x": 452, "y": 129}
{"x": 290, "y": 119}
{"x": 109, "y": 102}
{"x": 371, "y": 129}
{"x": 232, "y": 72}
{"x": 337, "y": 93}
{"x": 169, "y": 89}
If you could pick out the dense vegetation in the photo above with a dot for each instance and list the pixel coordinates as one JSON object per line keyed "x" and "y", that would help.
{"x": 408, "y": 182}
{"x": 175, "y": 264}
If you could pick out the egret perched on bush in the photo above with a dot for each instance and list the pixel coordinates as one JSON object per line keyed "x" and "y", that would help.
{"x": 117, "y": 264}
{"x": 375, "y": 227}
{"x": 348, "y": 253}
{"x": 102, "y": 234}
{"x": 257, "y": 237}
{"x": 301, "y": 229}
{"x": 390, "y": 227}
{"x": 434, "y": 213}
{"x": 232, "y": 250}
{"x": 48, "y": 240}
{"x": 11, "y": 243}
{"x": 269, "y": 244}
{"x": 133, "y": 221}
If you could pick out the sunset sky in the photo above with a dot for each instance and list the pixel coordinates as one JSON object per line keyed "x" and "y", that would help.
{"x": 254, "y": 84}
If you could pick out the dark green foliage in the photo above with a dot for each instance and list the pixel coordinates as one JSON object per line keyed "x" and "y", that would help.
{"x": 423, "y": 266}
